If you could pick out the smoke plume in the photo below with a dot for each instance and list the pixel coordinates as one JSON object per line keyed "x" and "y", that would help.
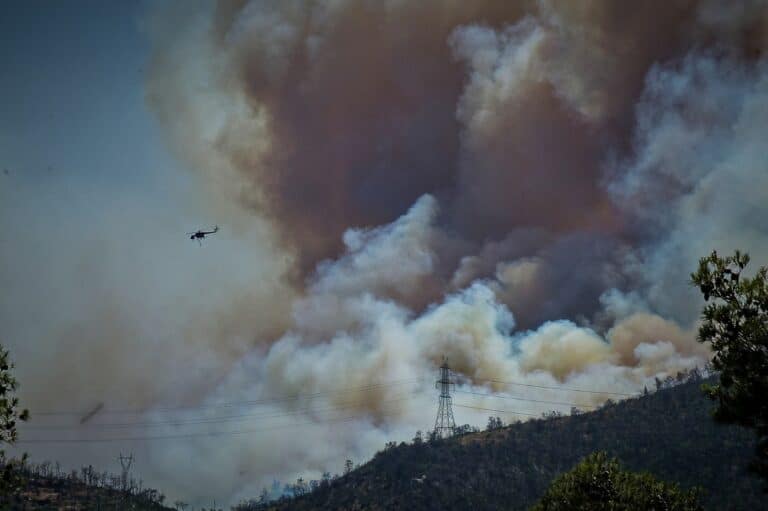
{"x": 521, "y": 187}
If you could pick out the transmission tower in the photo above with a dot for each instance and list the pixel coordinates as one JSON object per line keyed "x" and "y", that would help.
{"x": 444, "y": 423}
{"x": 126, "y": 462}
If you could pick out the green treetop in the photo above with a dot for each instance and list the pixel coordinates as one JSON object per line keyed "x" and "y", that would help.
{"x": 598, "y": 483}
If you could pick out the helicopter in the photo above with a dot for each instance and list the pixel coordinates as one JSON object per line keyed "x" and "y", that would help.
{"x": 199, "y": 235}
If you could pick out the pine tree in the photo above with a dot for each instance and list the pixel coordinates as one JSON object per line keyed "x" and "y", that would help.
{"x": 10, "y": 415}
{"x": 735, "y": 324}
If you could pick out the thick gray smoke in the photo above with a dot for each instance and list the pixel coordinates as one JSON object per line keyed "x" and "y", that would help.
{"x": 522, "y": 187}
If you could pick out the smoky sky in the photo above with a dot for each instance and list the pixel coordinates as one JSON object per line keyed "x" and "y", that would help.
{"x": 511, "y": 114}
{"x": 521, "y": 187}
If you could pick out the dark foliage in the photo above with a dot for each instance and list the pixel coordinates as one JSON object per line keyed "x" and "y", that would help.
{"x": 735, "y": 323}
{"x": 598, "y": 483}
{"x": 10, "y": 415}
{"x": 669, "y": 433}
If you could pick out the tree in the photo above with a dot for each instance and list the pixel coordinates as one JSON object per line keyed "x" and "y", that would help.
{"x": 300, "y": 488}
{"x": 598, "y": 483}
{"x": 494, "y": 423}
{"x": 735, "y": 323}
{"x": 10, "y": 415}
{"x": 465, "y": 429}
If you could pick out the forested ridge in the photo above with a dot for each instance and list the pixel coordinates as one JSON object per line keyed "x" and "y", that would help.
{"x": 669, "y": 433}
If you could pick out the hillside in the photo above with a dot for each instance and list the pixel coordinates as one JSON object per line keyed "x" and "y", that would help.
{"x": 669, "y": 433}
{"x": 46, "y": 488}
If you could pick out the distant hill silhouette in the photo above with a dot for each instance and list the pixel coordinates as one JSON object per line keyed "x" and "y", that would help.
{"x": 669, "y": 433}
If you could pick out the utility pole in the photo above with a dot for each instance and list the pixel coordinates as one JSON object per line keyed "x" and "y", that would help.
{"x": 126, "y": 462}
{"x": 445, "y": 425}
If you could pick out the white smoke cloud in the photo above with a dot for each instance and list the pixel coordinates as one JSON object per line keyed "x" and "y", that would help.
{"x": 384, "y": 261}
{"x": 698, "y": 151}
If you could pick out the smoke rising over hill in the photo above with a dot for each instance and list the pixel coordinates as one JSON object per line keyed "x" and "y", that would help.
{"x": 522, "y": 187}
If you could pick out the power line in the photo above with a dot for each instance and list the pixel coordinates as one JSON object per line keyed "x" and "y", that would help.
{"x": 248, "y": 416}
{"x": 570, "y": 389}
{"x": 275, "y": 400}
{"x": 189, "y": 435}
{"x": 295, "y": 397}
{"x": 229, "y": 404}
{"x": 210, "y": 420}
{"x": 499, "y": 396}
{"x": 499, "y": 411}
{"x": 239, "y": 432}
{"x": 243, "y": 417}
{"x": 214, "y": 420}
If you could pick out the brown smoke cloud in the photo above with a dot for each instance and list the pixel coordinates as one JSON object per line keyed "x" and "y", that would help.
{"x": 505, "y": 111}
{"x": 358, "y": 104}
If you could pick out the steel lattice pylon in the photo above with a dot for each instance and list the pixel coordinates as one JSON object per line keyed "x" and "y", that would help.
{"x": 445, "y": 425}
